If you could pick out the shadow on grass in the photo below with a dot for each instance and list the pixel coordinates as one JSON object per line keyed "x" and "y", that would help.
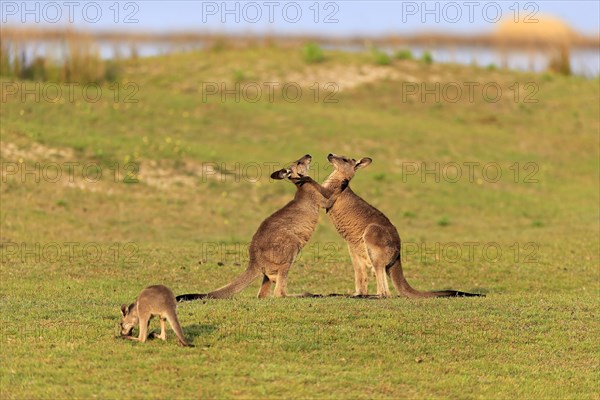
{"x": 198, "y": 330}
{"x": 190, "y": 332}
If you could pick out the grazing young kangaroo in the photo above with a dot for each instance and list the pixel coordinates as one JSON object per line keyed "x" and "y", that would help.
{"x": 281, "y": 236}
{"x": 153, "y": 301}
{"x": 372, "y": 239}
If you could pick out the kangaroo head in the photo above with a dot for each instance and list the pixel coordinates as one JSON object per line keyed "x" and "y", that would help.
{"x": 130, "y": 319}
{"x": 344, "y": 168}
{"x": 297, "y": 169}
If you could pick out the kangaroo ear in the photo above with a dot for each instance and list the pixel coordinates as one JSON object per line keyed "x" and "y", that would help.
{"x": 281, "y": 174}
{"x": 124, "y": 309}
{"x": 365, "y": 161}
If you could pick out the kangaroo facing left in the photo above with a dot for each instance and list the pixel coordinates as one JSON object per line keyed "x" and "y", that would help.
{"x": 372, "y": 239}
{"x": 157, "y": 300}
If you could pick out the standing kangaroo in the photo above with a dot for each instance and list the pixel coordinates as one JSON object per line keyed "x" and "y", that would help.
{"x": 372, "y": 239}
{"x": 281, "y": 236}
{"x": 154, "y": 300}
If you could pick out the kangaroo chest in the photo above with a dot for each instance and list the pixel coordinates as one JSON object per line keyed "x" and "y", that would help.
{"x": 348, "y": 225}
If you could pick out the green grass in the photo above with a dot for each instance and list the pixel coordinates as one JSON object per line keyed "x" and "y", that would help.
{"x": 533, "y": 336}
{"x": 381, "y": 57}
{"x": 403, "y": 54}
{"x": 313, "y": 53}
{"x": 427, "y": 58}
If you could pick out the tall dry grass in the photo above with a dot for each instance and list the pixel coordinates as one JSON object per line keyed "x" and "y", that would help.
{"x": 74, "y": 58}
{"x": 560, "y": 61}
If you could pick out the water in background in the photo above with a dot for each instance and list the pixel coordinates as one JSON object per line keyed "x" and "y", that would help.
{"x": 584, "y": 62}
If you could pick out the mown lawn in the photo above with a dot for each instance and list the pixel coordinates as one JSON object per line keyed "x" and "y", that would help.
{"x": 184, "y": 185}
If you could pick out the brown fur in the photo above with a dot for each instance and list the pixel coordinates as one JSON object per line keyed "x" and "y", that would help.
{"x": 281, "y": 236}
{"x": 372, "y": 239}
{"x": 153, "y": 301}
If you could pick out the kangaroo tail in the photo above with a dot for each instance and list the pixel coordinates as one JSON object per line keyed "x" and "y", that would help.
{"x": 394, "y": 270}
{"x": 237, "y": 285}
{"x": 190, "y": 297}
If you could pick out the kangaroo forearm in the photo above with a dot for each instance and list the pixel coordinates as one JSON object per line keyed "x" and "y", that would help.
{"x": 330, "y": 195}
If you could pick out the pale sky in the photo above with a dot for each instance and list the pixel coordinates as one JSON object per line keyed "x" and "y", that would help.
{"x": 323, "y": 17}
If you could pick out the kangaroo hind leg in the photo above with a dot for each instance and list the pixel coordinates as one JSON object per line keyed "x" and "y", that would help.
{"x": 379, "y": 254}
{"x": 359, "y": 261}
{"x": 265, "y": 288}
{"x": 281, "y": 283}
{"x": 163, "y": 329}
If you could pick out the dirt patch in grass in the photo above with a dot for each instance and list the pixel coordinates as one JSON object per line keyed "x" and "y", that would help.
{"x": 160, "y": 174}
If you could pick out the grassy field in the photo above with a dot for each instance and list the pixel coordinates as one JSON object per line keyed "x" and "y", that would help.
{"x": 184, "y": 185}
